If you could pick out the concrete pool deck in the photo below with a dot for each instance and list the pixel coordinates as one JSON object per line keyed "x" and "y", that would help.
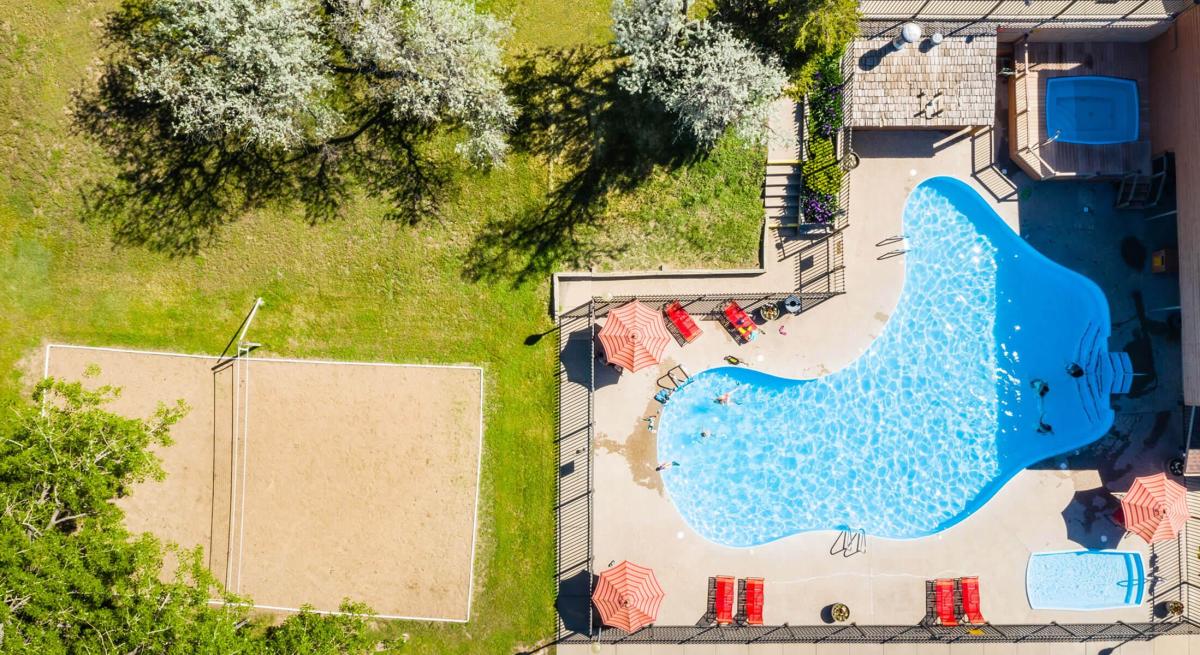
{"x": 1043, "y": 508}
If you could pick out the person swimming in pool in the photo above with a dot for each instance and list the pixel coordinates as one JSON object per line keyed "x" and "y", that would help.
{"x": 1074, "y": 370}
{"x": 1039, "y": 385}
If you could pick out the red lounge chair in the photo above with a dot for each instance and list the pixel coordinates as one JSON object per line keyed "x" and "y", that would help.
{"x": 682, "y": 321}
{"x": 754, "y": 601}
{"x": 944, "y": 588}
{"x": 741, "y": 322}
{"x": 725, "y": 593}
{"x": 970, "y": 600}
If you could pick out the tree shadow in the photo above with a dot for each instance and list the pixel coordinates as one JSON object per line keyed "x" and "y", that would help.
{"x": 575, "y": 116}
{"x": 173, "y": 193}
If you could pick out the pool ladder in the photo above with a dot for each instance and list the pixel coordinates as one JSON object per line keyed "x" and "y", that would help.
{"x": 895, "y": 238}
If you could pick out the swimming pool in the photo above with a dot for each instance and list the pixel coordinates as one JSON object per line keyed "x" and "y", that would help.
{"x": 1085, "y": 580}
{"x": 1092, "y": 110}
{"x": 928, "y": 422}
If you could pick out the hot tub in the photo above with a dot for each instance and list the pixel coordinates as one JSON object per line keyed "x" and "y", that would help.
{"x": 1085, "y": 580}
{"x": 1092, "y": 110}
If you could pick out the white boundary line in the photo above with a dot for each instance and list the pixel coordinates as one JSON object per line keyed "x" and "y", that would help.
{"x": 245, "y": 463}
{"x": 336, "y": 612}
{"x": 283, "y": 360}
{"x": 233, "y": 486}
{"x": 267, "y": 360}
{"x": 478, "y": 480}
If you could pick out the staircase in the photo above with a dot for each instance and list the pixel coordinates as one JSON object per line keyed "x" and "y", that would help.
{"x": 1139, "y": 191}
{"x": 781, "y": 193}
{"x": 783, "y": 181}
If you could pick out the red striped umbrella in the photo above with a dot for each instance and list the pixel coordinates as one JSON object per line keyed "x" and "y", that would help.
{"x": 1155, "y": 508}
{"x": 634, "y": 336}
{"x": 627, "y": 597}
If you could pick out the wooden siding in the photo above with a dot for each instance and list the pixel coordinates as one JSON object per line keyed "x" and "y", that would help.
{"x": 1175, "y": 94}
{"x": 1027, "y": 119}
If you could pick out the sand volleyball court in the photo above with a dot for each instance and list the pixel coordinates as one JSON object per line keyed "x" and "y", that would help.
{"x": 308, "y": 482}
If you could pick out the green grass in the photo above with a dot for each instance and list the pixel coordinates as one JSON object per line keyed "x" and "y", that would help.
{"x": 358, "y": 288}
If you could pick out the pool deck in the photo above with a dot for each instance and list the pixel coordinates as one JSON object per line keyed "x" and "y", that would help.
{"x": 1058, "y": 505}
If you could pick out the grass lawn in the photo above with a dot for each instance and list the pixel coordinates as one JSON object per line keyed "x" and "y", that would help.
{"x": 357, "y": 288}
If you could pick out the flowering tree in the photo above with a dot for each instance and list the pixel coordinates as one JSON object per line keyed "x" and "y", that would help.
{"x": 234, "y": 68}
{"x": 214, "y": 107}
{"x": 711, "y": 80}
{"x": 431, "y": 61}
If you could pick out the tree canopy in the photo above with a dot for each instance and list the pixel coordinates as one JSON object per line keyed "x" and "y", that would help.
{"x": 72, "y": 578}
{"x": 698, "y": 70}
{"x": 211, "y": 108}
{"x": 802, "y": 33}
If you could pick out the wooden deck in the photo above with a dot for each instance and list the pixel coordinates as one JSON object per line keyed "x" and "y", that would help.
{"x": 1027, "y": 120}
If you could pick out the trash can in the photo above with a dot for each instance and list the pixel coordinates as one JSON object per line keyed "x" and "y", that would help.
{"x": 792, "y": 304}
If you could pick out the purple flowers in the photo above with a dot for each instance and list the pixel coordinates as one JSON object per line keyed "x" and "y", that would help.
{"x": 817, "y": 207}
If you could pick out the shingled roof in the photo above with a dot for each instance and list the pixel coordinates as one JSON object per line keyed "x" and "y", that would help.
{"x": 949, "y": 85}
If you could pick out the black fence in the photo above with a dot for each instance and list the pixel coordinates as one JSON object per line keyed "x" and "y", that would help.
{"x": 883, "y": 634}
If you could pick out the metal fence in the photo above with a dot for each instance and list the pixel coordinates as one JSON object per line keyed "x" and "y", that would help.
{"x": 883, "y": 634}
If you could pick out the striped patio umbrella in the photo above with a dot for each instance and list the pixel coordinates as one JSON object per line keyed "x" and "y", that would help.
{"x": 1155, "y": 508}
{"x": 634, "y": 336}
{"x": 627, "y": 597}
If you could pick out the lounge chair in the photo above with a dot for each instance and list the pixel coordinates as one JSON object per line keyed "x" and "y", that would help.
{"x": 710, "y": 614}
{"x": 741, "y": 323}
{"x": 724, "y": 598}
{"x": 945, "y": 600}
{"x": 682, "y": 321}
{"x": 970, "y": 600}
{"x": 930, "y": 604}
{"x": 752, "y": 597}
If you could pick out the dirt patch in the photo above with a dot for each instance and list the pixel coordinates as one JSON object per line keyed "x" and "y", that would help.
{"x": 309, "y": 482}
{"x": 640, "y": 450}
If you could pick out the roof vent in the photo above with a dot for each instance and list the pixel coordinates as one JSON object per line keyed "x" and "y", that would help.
{"x": 909, "y": 33}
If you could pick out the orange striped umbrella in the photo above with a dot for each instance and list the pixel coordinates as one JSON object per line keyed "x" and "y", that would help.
{"x": 1155, "y": 508}
{"x": 627, "y": 597}
{"x": 634, "y": 336}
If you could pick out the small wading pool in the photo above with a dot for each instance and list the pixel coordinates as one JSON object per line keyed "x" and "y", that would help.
{"x": 1085, "y": 580}
{"x": 1092, "y": 110}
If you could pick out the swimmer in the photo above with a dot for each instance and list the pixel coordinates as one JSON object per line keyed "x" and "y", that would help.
{"x": 1041, "y": 387}
{"x": 1074, "y": 370}
{"x": 723, "y": 399}
{"x": 704, "y": 434}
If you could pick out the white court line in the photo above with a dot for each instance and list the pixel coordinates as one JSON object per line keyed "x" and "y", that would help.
{"x": 437, "y": 619}
{"x": 475, "y": 519}
{"x": 233, "y": 429}
{"x": 245, "y": 463}
{"x": 233, "y": 477}
{"x": 267, "y": 360}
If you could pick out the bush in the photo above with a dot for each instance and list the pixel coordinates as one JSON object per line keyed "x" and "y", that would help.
{"x": 825, "y": 102}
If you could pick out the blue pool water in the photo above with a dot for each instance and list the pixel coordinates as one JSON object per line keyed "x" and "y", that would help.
{"x": 1085, "y": 580}
{"x": 924, "y": 426}
{"x": 1092, "y": 110}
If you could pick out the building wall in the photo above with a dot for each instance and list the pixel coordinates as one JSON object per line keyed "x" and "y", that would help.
{"x": 1175, "y": 97}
